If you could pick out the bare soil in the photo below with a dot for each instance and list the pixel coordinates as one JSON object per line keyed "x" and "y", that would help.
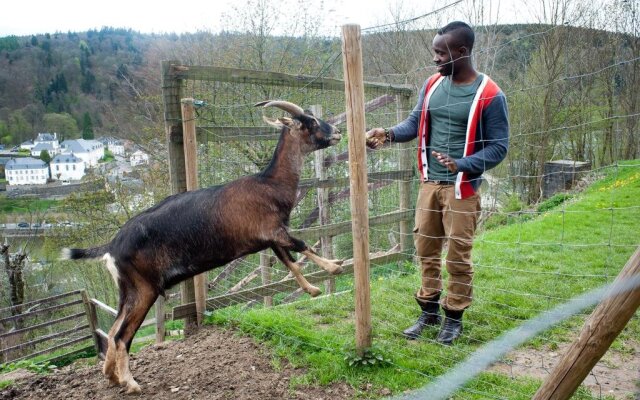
{"x": 616, "y": 375}
{"x": 212, "y": 364}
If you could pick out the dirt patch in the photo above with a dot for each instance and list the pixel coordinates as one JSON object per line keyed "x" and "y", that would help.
{"x": 213, "y": 364}
{"x": 616, "y": 374}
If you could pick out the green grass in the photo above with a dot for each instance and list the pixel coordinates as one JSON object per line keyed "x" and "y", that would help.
{"x": 21, "y": 206}
{"x": 576, "y": 244}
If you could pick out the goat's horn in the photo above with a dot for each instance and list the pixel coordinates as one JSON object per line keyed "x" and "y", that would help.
{"x": 291, "y": 108}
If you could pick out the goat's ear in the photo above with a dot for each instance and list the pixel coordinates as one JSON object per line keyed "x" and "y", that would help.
{"x": 278, "y": 122}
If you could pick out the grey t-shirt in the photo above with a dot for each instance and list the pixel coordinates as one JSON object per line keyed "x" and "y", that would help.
{"x": 449, "y": 108}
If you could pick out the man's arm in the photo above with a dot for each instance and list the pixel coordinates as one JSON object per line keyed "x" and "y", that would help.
{"x": 496, "y": 139}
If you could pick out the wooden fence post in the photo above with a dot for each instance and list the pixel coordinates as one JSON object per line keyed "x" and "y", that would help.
{"x": 326, "y": 242}
{"x": 265, "y": 272}
{"x": 160, "y": 329}
{"x": 90, "y": 309}
{"x": 354, "y": 95}
{"x": 599, "y": 331}
{"x": 172, "y": 93}
{"x": 405, "y": 162}
{"x": 191, "y": 168}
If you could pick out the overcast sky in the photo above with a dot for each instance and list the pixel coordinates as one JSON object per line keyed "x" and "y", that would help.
{"x": 26, "y": 17}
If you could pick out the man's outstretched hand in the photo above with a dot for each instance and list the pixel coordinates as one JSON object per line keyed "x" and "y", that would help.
{"x": 376, "y": 138}
{"x": 445, "y": 160}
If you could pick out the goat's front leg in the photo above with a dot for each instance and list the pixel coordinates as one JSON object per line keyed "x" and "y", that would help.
{"x": 334, "y": 267}
{"x": 295, "y": 270}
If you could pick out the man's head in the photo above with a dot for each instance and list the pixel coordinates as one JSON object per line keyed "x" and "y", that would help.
{"x": 452, "y": 47}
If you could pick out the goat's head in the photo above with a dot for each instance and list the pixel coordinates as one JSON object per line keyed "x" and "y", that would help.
{"x": 313, "y": 132}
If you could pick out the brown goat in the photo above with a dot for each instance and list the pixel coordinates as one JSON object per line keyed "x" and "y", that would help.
{"x": 193, "y": 232}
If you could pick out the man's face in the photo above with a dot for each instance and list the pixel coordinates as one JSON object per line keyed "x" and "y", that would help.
{"x": 446, "y": 54}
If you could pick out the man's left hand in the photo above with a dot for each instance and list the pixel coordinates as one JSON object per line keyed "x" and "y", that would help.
{"x": 445, "y": 160}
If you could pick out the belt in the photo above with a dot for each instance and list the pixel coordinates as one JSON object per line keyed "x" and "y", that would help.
{"x": 446, "y": 183}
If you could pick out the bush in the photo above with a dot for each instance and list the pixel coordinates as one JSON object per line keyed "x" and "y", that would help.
{"x": 553, "y": 202}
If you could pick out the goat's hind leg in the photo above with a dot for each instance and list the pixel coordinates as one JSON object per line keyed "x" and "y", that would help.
{"x": 137, "y": 305}
{"x": 295, "y": 270}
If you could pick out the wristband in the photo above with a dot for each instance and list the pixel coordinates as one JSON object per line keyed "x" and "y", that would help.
{"x": 387, "y": 135}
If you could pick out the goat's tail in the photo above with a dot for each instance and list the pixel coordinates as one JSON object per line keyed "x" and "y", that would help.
{"x": 77, "y": 254}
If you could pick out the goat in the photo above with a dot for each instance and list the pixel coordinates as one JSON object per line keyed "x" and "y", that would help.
{"x": 192, "y": 232}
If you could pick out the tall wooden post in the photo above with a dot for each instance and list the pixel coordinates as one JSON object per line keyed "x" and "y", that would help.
{"x": 405, "y": 162}
{"x": 265, "y": 272}
{"x": 599, "y": 331}
{"x": 326, "y": 242}
{"x": 354, "y": 94}
{"x": 172, "y": 93}
{"x": 191, "y": 168}
{"x": 160, "y": 329}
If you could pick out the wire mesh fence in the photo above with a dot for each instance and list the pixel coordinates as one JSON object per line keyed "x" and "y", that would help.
{"x": 573, "y": 120}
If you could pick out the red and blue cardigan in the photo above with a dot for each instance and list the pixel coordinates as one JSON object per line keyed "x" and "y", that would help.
{"x": 487, "y": 136}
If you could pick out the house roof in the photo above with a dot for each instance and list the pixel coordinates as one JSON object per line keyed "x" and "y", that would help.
{"x": 66, "y": 159}
{"x": 43, "y": 146}
{"x": 46, "y": 137}
{"x": 81, "y": 145}
{"x": 25, "y": 163}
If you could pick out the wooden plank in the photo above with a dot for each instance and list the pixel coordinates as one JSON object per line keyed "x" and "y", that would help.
{"x": 55, "y": 348}
{"x": 104, "y": 307}
{"x": 43, "y": 325}
{"x": 103, "y": 341}
{"x": 44, "y": 300}
{"x": 356, "y": 126}
{"x": 44, "y": 339}
{"x": 344, "y": 227}
{"x": 182, "y": 311}
{"x": 236, "y": 133}
{"x": 406, "y": 174}
{"x": 369, "y": 106}
{"x": 41, "y": 311}
{"x": 599, "y": 331}
{"x": 237, "y": 75}
{"x": 90, "y": 310}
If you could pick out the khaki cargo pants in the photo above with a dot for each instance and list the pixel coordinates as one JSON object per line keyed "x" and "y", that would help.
{"x": 442, "y": 219}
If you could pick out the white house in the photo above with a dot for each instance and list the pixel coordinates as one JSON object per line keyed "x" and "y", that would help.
{"x": 38, "y": 148}
{"x": 66, "y": 167}
{"x": 27, "y": 145}
{"x": 26, "y": 171}
{"x": 138, "y": 157}
{"x": 114, "y": 145}
{"x": 89, "y": 151}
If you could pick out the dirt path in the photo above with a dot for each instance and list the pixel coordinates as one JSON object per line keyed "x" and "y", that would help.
{"x": 213, "y": 364}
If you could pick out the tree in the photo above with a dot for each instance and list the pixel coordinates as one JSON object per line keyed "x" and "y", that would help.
{"x": 45, "y": 156}
{"x": 87, "y": 127}
{"x": 62, "y": 123}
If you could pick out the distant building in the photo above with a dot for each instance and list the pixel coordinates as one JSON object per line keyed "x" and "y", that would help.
{"x": 114, "y": 145}
{"x": 89, "y": 151}
{"x": 26, "y": 171}
{"x": 66, "y": 167}
{"x": 27, "y": 145}
{"x": 138, "y": 157}
{"x": 49, "y": 148}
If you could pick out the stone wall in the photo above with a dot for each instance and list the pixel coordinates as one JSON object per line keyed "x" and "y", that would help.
{"x": 561, "y": 175}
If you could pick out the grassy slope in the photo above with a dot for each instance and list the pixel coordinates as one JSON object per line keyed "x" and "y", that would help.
{"x": 521, "y": 270}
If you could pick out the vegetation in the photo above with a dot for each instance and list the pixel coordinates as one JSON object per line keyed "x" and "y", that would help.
{"x": 314, "y": 334}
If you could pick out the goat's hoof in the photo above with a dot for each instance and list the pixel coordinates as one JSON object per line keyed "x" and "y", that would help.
{"x": 337, "y": 270}
{"x": 133, "y": 387}
{"x": 314, "y": 291}
{"x": 337, "y": 262}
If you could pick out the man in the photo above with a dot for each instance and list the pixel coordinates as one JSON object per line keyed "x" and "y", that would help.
{"x": 461, "y": 122}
